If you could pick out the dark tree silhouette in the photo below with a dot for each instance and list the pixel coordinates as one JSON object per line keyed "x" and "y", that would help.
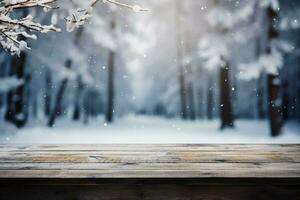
{"x": 260, "y": 82}
{"x": 19, "y": 65}
{"x": 57, "y": 106}
{"x": 48, "y": 93}
{"x": 181, "y": 70}
{"x": 260, "y": 98}
{"x": 15, "y": 98}
{"x": 189, "y": 74}
{"x": 200, "y": 103}
{"x": 9, "y": 114}
{"x": 190, "y": 91}
{"x": 225, "y": 98}
{"x": 210, "y": 98}
{"x": 79, "y": 90}
{"x": 273, "y": 80}
{"x": 80, "y": 84}
{"x": 285, "y": 102}
{"x": 110, "y": 80}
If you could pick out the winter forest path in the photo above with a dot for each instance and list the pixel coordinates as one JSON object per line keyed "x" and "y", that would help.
{"x": 138, "y": 171}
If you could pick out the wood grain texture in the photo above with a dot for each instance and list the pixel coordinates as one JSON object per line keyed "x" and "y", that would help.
{"x": 158, "y": 172}
{"x": 150, "y": 161}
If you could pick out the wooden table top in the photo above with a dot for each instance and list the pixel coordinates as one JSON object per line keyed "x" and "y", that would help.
{"x": 150, "y": 161}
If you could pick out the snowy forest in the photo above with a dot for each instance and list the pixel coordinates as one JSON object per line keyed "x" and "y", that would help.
{"x": 149, "y": 71}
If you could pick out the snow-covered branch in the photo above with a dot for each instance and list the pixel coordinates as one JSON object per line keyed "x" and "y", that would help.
{"x": 226, "y": 24}
{"x": 268, "y": 62}
{"x": 77, "y": 19}
{"x": 14, "y": 31}
{"x": 9, "y": 83}
{"x": 272, "y": 60}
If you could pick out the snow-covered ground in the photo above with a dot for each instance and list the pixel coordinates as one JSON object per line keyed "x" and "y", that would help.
{"x": 141, "y": 129}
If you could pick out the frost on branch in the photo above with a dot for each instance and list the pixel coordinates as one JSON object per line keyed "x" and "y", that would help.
{"x": 77, "y": 19}
{"x": 14, "y": 31}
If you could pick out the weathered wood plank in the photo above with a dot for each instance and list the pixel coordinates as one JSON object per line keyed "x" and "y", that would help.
{"x": 146, "y": 161}
{"x": 97, "y": 172}
{"x": 150, "y": 157}
{"x": 152, "y": 147}
{"x": 200, "y": 173}
{"x": 280, "y": 167}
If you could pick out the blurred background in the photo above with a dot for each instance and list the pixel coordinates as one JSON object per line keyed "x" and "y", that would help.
{"x": 205, "y": 71}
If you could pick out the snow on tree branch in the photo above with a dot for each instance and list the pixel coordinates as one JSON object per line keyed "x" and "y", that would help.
{"x": 14, "y": 31}
{"x": 228, "y": 19}
{"x": 17, "y": 4}
{"x": 214, "y": 47}
{"x": 9, "y": 83}
{"x": 77, "y": 19}
{"x": 268, "y": 62}
{"x": 271, "y": 61}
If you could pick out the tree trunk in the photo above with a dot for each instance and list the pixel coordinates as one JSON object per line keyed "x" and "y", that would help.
{"x": 225, "y": 101}
{"x": 285, "y": 102}
{"x": 210, "y": 97}
{"x": 57, "y": 106}
{"x": 76, "y": 114}
{"x": 273, "y": 80}
{"x": 181, "y": 72}
{"x": 189, "y": 74}
{"x": 190, "y": 91}
{"x": 183, "y": 104}
{"x": 35, "y": 107}
{"x": 18, "y": 117}
{"x": 27, "y": 97}
{"x": 200, "y": 103}
{"x": 9, "y": 114}
{"x": 110, "y": 81}
{"x": 110, "y": 88}
{"x": 48, "y": 93}
{"x": 15, "y": 99}
{"x": 260, "y": 99}
{"x": 87, "y": 106}
{"x": 260, "y": 87}
{"x": 298, "y": 92}
{"x": 1, "y": 100}
{"x": 274, "y": 105}
{"x": 2, "y": 75}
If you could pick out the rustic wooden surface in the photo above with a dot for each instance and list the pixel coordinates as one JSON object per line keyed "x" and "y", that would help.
{"x": 177, "y": 172}
{"x": 150, "y": 161}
